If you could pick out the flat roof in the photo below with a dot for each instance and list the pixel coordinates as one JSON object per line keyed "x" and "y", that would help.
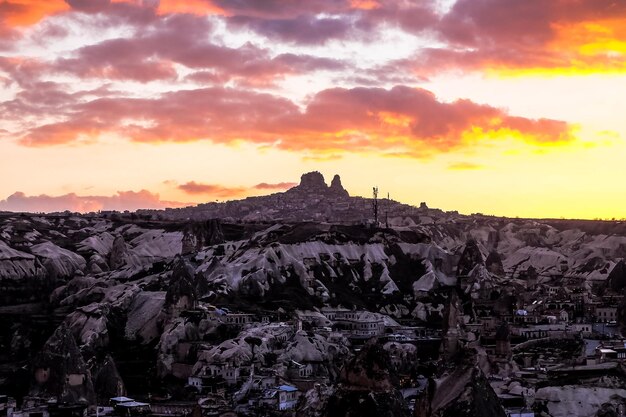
{"x": 130, "y": 404}
{"x": 122, "y": 399}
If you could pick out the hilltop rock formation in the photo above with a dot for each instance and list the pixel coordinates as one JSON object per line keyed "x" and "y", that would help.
{"x": 313, "y": 183}
{"x": 337, "y": 188}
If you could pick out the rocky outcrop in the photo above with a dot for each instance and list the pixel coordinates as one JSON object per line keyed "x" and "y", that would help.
{"x": 617, "y": 278}
{"x": 59, "y": 262}
{"x": 463, "y": 393}
{"x": 200, "y": 234}
{"x": 144, "y": 317}
{"x": 470, "y": 258}
{"x": 89, "y": 327}
{"x": 59, "y": 371}
{"x": 336, "y": 187}
{"x": 119, "y": 253}
{"x": 493, "y": 263}
{"x": 16, "y": 265}
{"x": 313, "y": 182}
{"x": 453, "y": 328}
{"x": 22, "y": 277}
{"x": 106, "y": 379}
{"x": 367, "y": 387}
{"x": 181, "y": 293}
{"x": 578, "y": 400}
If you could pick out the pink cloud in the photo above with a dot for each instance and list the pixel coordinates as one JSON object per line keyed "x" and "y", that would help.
{"x": 276, "y": 186}
{"x": 399, "y": 120}
{"x": 122, "y": 200}
{"x": 187, "y": 40}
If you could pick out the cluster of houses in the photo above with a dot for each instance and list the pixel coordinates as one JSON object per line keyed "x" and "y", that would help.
{"x": 223, "y": 386}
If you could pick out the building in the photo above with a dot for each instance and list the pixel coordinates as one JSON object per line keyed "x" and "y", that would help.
{"x": 606, "y": 314}
{"x": 238, "y": 319}
{"x": 356, "y": 324}
{"x": 611, "y": 351}
{"x": 7, "y": 406}
{"x": 230, "y": 374}
{"x": 281, "y": 398}
{"x": 287, "y": 397}
{"x": 132, "y": 408}
{"x": 207, "y": 384}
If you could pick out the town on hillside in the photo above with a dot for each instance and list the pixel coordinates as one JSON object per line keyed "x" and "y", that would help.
{"x": 310, "y": 303}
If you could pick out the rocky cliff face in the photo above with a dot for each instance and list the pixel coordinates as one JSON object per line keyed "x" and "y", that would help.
{"x": 60, "y": 371}
{"x": 200, "y": 234}
{"x": 312, "y": 182}
{"x": 336, "y": 187}
{"x": 367, "y": 387}
{"x": 470, "y": 258}
{"x": 465, "y": 392}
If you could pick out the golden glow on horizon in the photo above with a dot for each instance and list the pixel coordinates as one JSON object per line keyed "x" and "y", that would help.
{"x": 523, "y": 184}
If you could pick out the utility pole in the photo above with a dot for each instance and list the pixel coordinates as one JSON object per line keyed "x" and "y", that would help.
{"x": 387, "y": 205}
{"x": 375, "y": 205}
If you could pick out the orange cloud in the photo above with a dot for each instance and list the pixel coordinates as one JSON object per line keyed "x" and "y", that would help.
{"x": 508, "y": 37}
{"x": 200, "y": 7}
{"x": 215, "y": 190}
{"x": 592, "y": 46}
{"x": 364, "y": 4}
{"x": 28, "y": 12}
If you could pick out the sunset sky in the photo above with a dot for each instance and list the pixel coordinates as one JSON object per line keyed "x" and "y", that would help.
{"x": 504, "y": 107}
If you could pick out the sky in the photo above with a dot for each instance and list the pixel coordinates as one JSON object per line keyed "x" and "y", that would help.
{"x": 503, "y": 107}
